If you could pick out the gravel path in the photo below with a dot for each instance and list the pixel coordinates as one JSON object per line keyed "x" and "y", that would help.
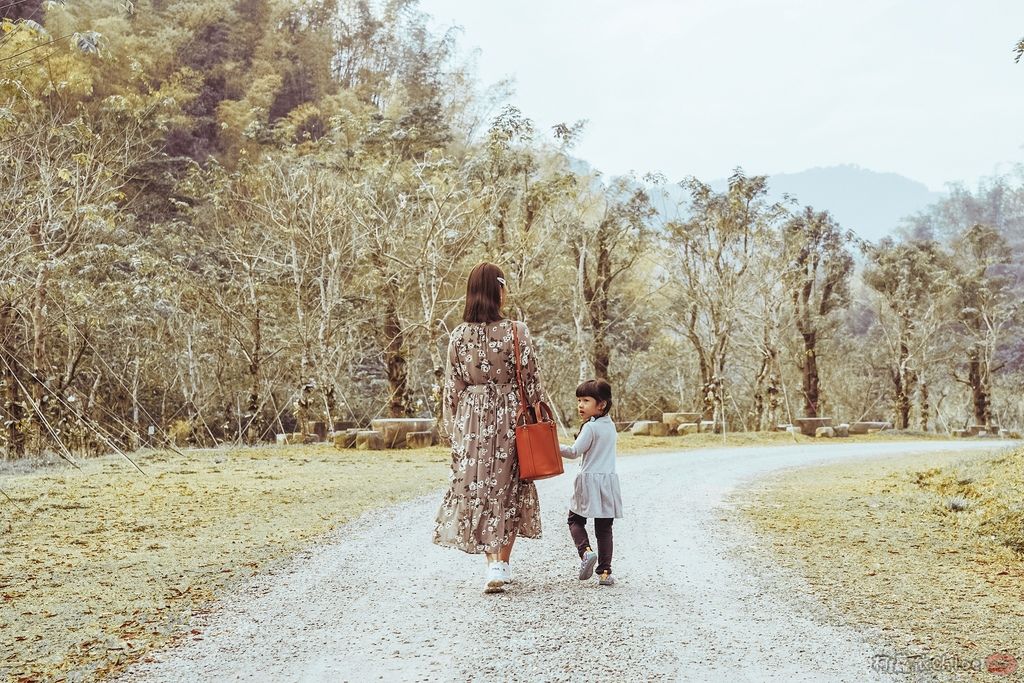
{"x": 377, "y": 601}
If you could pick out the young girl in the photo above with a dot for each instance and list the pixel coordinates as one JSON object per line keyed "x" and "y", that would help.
{"x": 596, "y": 491}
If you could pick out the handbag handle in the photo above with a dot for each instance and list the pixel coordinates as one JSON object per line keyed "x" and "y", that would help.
{"x": 525, "y": 407}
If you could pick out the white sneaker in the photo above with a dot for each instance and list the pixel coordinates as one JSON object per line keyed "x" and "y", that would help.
{"x": 587, "y": 564}
{"x": 495, "y": 580}
{"x": 507, "y": 569}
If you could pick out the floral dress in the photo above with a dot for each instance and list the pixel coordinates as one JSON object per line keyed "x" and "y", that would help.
{"x": 486, "y": 504}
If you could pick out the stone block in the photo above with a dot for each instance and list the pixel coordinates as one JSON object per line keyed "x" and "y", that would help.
{"x": 842, "y": 430}
{"x": 282, "y": 439}
{"x": 673, "y": 420}
{"x": 809, "y": 425}
{"x": 395, "y": 429}
{"x": 659, "y": 429}
{"x": 345, "y": 439}
{"x": 869, "y": 427}
{"x": 825, "y": 433}
{"x": 792, "y": 429}
{"x": 419, "y": 439}
{"x": 369, "y": 440}
{"x": 706, "y": 426}
{"x": 687, "y": 428}
{"x": 623, "y": 426}
{"x": 642, "y": 427}
{"x": 959, "y": 433}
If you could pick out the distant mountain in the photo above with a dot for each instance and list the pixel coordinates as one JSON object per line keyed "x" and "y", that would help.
{"x": 867, "y": 202}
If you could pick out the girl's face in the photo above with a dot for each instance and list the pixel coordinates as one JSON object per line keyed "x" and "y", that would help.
{"x": 589, "y": 407}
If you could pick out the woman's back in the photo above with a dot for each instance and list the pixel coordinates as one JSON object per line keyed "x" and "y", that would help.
{"x": 484, "y": 352}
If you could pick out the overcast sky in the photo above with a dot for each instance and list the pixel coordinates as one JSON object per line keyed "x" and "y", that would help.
{"x": 924, "y": 88}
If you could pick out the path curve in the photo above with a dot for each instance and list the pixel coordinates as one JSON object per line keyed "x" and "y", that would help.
{"x": 375, "y": 600}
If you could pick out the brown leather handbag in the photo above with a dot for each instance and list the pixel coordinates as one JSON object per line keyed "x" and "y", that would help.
{"x": 536, "y": 434}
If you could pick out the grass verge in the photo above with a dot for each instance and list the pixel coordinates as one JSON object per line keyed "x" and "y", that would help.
{"x": 927, "y": 549}
{"x": 98, "y": 567}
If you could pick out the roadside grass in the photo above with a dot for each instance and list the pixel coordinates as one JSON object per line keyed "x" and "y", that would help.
{"x": 928, "y": 549}
{"x": 629, "y": 444}
{"x": 100, "y": 566}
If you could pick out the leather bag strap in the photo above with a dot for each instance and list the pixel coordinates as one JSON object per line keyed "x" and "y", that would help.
{"x": 524, "y": 403}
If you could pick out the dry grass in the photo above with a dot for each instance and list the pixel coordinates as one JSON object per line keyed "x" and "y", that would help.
{"x": 629, "y": 443}
{"x": 926, "y": 548}
{"x": 99, "y": 566}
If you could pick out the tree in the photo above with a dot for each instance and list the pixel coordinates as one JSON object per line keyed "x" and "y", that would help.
{"x": 986, "y": 307}
{"x": 711, "y": 252}
{"x": 606, "y": 245}
{"x": 912, "y": 281}
{"x": 818, "y": 278}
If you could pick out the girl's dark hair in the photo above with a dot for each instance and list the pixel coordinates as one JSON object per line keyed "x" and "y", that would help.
{"x": 483, "y": 294}
{"x": 599, "y": 390}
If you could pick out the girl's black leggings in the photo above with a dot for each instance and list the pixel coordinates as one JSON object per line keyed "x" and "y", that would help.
{"x": 603, "y": 531}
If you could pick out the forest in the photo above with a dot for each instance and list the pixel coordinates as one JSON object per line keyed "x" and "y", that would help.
{"x": 226, "y": 219}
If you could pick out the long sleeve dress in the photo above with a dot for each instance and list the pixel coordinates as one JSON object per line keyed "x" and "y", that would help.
{"x": 596, "y": 488}
{"x": 486, "y": 503}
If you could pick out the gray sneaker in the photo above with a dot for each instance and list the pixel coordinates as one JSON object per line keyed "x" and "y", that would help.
{"x": 606, "y": 579}
{"x": 587, "y": 565}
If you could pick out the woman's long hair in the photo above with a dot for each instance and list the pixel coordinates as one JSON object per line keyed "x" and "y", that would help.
{"x": 483, "y": 294}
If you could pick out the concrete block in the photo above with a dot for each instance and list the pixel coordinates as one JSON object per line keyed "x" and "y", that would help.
{"x": 673, "y": 420}
{"x": 369, "y": 440}
{"x": 345, "y": 439}
{"x": 659, "y": 429}
{"x": 395, "y": 429}
{"x": 867, "y": 427}
{"x": 419, "y": 439}
{"x": 687, "y": 428}
{"x": 809, "y": 425}
{"x": 642, "y": 427}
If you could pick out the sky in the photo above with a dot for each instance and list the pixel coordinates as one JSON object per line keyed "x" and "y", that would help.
{"x": 924, "y": 88}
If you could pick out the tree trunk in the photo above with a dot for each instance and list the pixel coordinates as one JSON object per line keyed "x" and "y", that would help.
{"x": 598, "y": 305}
{"x": 979, "y": 389}
{"x": 13, "y": 410}
{"x": 254, "y": 425}
{"x": 766, "y": 409}
{"x": 902, "y": 381}
{"x": 602, "y": 354}
{"x": 759, "y": 391}
{"x": 39, "y": 317}
{"x": 925, "y": 406}
{"x": 394, "y": 359}
{"x": 810, "y": 375}
{"x": 579, "y": 303}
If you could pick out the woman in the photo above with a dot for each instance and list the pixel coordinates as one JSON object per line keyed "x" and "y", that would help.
{"x": 487, "y": 506}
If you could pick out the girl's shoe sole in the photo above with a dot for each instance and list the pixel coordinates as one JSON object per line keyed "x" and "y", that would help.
{"x": 587, "y": 570}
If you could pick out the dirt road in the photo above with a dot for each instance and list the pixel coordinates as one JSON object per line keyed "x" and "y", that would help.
{"x": 377, "y": 601}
